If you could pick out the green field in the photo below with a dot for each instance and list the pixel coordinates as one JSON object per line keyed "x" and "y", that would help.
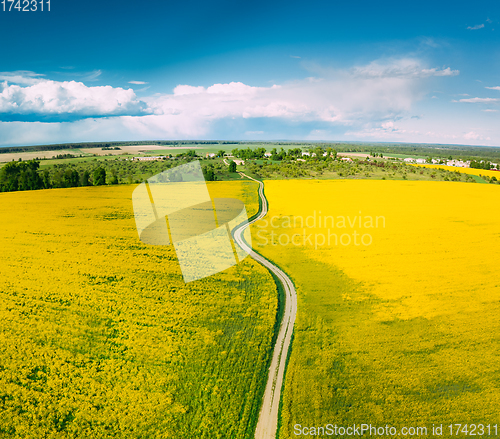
{"x": 477, "y": 178}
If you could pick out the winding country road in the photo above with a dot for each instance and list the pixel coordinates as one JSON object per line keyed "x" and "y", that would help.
{"x": 268, "y": 417}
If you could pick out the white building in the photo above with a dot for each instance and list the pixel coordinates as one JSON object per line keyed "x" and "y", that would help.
{"x": 458, "y": 163}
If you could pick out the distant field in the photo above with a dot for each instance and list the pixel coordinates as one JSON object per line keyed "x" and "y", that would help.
{"x": 100, "y": 337}
{"x": 404, "y": 331}
{"x": 470, "y": 171}
{"x": 124, "y": 149}
{"x": 138, "y": 149}
{"x": 40, "y": 154}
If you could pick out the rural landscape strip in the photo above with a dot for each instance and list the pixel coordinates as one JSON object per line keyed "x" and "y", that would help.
{"x": 268, "y": 418}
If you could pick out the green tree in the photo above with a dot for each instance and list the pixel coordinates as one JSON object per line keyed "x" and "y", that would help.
{"x": 70, "y": 178}
{"x": 99, "y": 176}
{"x": 85, "y": 181}
{"x": 208, "y": 173}
{"x": 114, "y": 177}
{"x": 46, "y": 179}
{"x": 332, "y": 153}
{"x": 232, "y": 166}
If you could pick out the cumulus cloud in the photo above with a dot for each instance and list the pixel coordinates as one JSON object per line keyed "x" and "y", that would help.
{"x": 493, "y": 88}
{"x": 476, "y": 27}
{"x": 45, "y": 97}
{"x": 137, "y": 82}
{"x": 375, "y": 93}
{"x": 479, "y": 100}
{"x": 378, "y": 91}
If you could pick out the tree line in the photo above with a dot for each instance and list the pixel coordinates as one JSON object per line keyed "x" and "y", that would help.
{"x": 26, "y": 176}
{"x": 481, "y": 164}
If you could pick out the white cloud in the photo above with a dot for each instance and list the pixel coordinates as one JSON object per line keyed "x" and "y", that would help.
{"x": 471, "y": 135}
{"x": 44, "y": 97}
{"x": 373, "y": 94}
{"x": 493, "y": 88}
{"x": 479, "y": 100}
{"x": 386, "y": 130}
{"x": 405, "y": 131}
{"x": 93, "y": 76}
{"x": 377, "y": 91}
{"x": 489, "y": 110}
{"x": 187, "y": 90}
{"x": 23, "y": 77}
{"x": 137, "y": 82}
{"x": 306, "y": 100}
{"x": 142, "y": 89}
{"x": 234, "y": 89}
{"x": 401, "y": 68}
{"x": 295, "y": 56}
{"x": 252, "y": 133}
{"x": 476, "y": 27}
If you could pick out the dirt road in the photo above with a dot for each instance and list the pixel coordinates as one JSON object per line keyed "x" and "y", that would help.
{"x": 268, "y": 417}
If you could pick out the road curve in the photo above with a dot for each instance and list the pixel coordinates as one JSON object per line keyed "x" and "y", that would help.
{"x": 268, "y": 417}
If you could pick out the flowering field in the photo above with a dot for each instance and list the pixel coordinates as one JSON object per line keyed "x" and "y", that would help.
{"x": 100, "y": 337}
{"x": 470, "y": 171}
{"x": 402, "y": 327}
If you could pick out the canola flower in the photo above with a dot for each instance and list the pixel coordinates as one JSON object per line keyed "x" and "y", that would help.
{"x": 470, "y": 171}
{"x": 403, "y": 331}
{"x": 100, "y": 337}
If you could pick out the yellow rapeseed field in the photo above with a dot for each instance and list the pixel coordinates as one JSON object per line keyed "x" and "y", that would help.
{"x": 470, "y": 171}
{"x": 100, "y": 337}
{"x": 398, "y": 320}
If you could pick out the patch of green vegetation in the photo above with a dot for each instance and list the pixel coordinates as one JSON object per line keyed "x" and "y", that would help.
{"x": 478, "y": 179}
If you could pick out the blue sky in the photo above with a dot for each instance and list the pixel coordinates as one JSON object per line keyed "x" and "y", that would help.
{"x": 321, "y": 70}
